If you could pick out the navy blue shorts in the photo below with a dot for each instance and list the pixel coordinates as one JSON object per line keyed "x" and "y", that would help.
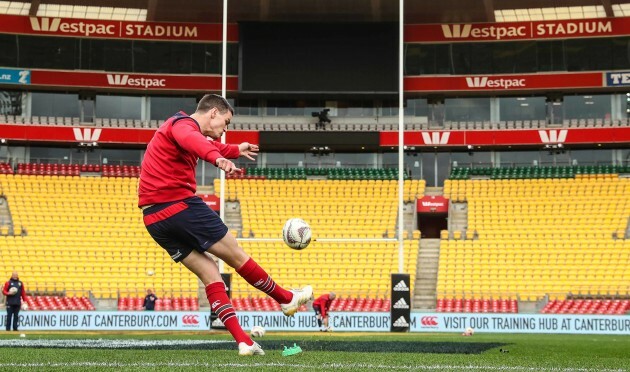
{"x": 181, "y": 226}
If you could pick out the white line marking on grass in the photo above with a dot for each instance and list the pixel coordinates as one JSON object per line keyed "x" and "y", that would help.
{"x": 107, "y": 344}
{"x": 438, "y": 367}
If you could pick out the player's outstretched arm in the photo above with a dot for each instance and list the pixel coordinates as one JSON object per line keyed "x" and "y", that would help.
{"x": 248, "y": 150}
{"x": 227, "y": 166}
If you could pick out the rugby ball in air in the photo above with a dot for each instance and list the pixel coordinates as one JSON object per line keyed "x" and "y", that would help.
{"x": 296, "y": 233}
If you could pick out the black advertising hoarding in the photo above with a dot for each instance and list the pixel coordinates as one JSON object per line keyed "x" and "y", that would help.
{"x": 401, "y": 303}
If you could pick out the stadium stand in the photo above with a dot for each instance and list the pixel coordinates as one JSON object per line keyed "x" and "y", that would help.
{"x": 532, "y": 235}
{"x": 5, "y": 168}
{"x": 56, "y": 303}
{"x": 452, "y": 305}
{"x": 361, "y": 208}
{"x": 95, "y": 243}
{"x": 121, "y": 171}
{"x": 343, "y": 209}
{"x": 161, "y": 304}
{"x": 605, "y": 307}
{"x": 260, "y": 123}
{"x": 48, "y": 169}
{"x": 329, "y": 173}
{"x": 78, "y": 235}
{"x": 338, "y": 304}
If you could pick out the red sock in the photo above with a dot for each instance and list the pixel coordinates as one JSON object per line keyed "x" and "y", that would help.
{"x": 256, "y": 276}
{"x": 221, "y": 305}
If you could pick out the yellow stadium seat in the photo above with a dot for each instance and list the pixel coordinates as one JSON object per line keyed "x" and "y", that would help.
{"x": 536, "y": 237}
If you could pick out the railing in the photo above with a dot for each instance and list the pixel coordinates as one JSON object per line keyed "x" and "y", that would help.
{"x": 585, "y": 292}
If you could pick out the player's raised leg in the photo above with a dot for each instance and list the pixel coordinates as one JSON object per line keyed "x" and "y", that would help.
{"x": 231, "y": 253}
{"x": 208, "y": 272}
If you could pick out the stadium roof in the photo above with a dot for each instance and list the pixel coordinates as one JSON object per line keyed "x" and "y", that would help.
{"x": 417, "y": 11}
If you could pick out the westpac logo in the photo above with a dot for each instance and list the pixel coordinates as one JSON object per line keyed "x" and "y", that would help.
{"x": 86, "y": 134}
{"x": 435, "y": 138}
{"x": 125, "y": 80}
{"x": 466, "y": 31}
{"x": 45, "y": 24}
{"x": 486, "y": 82}
{"x": 432, "y": 204}
{"x": 117, "y": 79}
{"x": 553, "y": 136}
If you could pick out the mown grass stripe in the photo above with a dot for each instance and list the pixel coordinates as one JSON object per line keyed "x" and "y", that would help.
{"x": 299, "y": 365}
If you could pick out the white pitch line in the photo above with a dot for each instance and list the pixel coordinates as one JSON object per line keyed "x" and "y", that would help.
{"x": 106, "y": 343}
{"x": 438, "y": 367}
{"x": 321, "y": 240}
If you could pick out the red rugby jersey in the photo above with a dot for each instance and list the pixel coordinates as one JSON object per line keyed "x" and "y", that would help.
{"x": 169, "y": 164}
{"x": 324, "y": 301}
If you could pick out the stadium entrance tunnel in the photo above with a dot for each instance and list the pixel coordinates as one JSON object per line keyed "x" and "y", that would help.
{"x": 431, "y": 224}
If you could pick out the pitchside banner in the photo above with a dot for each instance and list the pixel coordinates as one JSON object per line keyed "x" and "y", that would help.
{"x": 214, "y": 202}
{"x": 340, "y": 321}
{"x": 192, "y": 321}
{"x": 14, "y": 76}
{"x": 505, "y": 31}
{"x": 401, "y": 299}
{"x": 109, "y": 29}
{"x": 521, "y": 323}
{"x": 432, "y": 204}
{"x": 520, "y": 82}
{"x": 138, "y": 136}
{"x": 118, "y": 81}
{"x": 512, "y": 137}
{"x": 619, "y": 78}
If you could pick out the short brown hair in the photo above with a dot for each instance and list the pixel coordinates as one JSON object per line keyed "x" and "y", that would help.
{"x": 210, "y": 101}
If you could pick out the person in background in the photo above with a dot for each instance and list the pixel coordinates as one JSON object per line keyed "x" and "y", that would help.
{"x": 321, "y": 307}
{"x": 15, "y": 293}
{"x": 323, "y": 119}
{"x": 149, "y": 300}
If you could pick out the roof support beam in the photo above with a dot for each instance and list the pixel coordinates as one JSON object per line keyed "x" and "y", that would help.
{"x": 151, "y": 9}
{"x": 488, "y": 6}
{"x": 608, "y": 8}
{"x": 264, "y": 10}
{"x": 375, "y": 6}
{"x": 32, "y": 12}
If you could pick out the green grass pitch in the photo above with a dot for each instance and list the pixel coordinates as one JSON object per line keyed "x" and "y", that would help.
{"x": 75, "y": 351}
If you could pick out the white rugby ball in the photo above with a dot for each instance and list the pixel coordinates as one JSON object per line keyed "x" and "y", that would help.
{"x": 257, "y": 331}
{"x": 150, "y": 272}
{"x": 296, "y": 233}
{"x": 13, "y": 290}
